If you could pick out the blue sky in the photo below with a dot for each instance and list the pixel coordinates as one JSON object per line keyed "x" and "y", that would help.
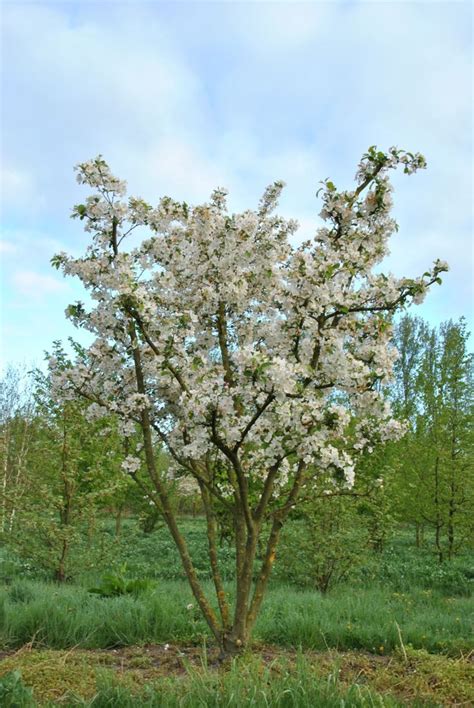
{"x": 182, "y": 97}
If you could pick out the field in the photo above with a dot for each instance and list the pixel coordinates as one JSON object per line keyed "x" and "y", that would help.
{"x": 397, "y": 631}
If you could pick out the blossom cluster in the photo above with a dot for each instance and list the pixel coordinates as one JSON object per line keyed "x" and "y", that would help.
{"x": 252, "y": 351}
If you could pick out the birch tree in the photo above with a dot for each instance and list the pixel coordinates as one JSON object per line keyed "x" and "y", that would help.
{"x": 16, "y": 434}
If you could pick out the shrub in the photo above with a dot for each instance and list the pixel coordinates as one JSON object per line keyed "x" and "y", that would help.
{"x": 323, "y": 546}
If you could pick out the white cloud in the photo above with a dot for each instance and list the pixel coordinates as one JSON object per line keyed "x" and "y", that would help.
{"x": 8, "y": 248}
{"x": 31, "y": 284}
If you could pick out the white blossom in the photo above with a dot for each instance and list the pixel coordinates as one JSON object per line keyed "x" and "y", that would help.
{"x": 250, "y": 348}
{"x": 131, "y": 464}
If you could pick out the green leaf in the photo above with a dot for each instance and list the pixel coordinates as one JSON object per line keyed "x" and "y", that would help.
{"x": 56, "y": 261}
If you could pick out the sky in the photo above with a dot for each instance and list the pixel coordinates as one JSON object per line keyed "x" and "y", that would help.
{"x": 183, "y": 97}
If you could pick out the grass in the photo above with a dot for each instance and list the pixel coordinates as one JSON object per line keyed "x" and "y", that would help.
{"x": 397, "y": 632}
{"x": 155, "y": 676}
{"x": 365, "y": 618}
{"x": 431, "y": 603}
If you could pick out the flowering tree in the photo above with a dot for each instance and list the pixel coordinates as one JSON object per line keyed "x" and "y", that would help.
{"x": 254, "y": 362}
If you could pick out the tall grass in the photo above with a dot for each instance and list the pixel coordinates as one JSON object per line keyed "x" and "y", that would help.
{"x": 367, "y": 618}
{"x": 66, "y": 616}
{"x": 61, "y": 617}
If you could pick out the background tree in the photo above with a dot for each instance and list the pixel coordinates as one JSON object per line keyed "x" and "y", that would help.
{"x": 435, "y": 484}
{"x": 231, "y": 348}
{"x": 70, "y": 469}
{"x": 17, "y": 423}
{"x": 410, "y": 336}
{"x": 327, "y": 540}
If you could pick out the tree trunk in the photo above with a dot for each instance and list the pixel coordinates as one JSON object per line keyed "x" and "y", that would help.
{"x": 438, "y": 519}
{"x": 118, "y": 521}
{"x": 419, "y": 534}
{"x": 60, "y": 574}
{"x": 5, "y": 479}
{"x": 20, "y": 463}
{"x": 213, "y": 558}
{"x": 452, "y": 490}
{"x": 451, "y": 516}
{"x": 438, "y": 543}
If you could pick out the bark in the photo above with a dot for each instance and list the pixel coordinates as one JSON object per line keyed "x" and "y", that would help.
{"x": 452, "y": 506}
{"x": 279, "y": 519}
{"x": 239, "y": 634}
{"x": 264, "y": 574}
{"x": 213, "y": 558}
{"x": 231, "y": 636}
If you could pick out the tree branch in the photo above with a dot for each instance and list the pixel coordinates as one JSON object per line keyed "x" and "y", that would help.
{"x": 270, "y": 398}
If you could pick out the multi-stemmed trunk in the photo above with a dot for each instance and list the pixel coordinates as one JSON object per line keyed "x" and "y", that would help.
{"x": 232, "y": 631}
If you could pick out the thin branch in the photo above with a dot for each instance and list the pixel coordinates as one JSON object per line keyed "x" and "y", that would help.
{"x": 233, "y": 458}
{"x": 270, "y": 398}
{"x": 155, "y": 349}
{"x": 222, "y": 336}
